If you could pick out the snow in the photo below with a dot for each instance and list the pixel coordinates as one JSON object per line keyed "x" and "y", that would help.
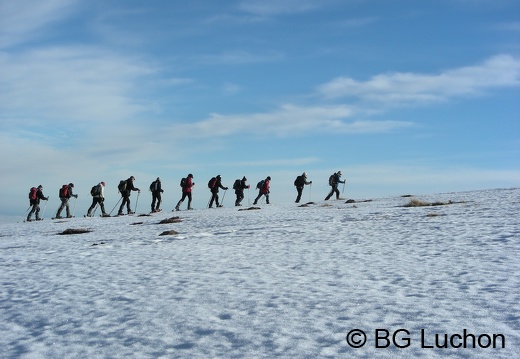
{"x": 282, "y": 281}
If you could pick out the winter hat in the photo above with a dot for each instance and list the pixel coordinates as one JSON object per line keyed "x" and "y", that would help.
{"x": 158, "y": 179}
{"x": 244, "y": 179}
{"x": 190, "y": 175}
{"x": 269, "y": 178}
{"x": 304, "y": 174}
{"x": 40, "y": 187}
{"x": 71, "y": 184}
{"x": 132, "y": 178}
{"x": 103, "y": 184}
{"x": 339, "y": 173}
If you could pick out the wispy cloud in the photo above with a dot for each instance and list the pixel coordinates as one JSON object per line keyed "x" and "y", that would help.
{"x": 64, "y": 84}
{"x": 268, "y": 8}
{"x": 22, "y": 19}
{"x": 239, "y": 57}
{"x": 407, "y": 88}
{"x": 288, "y": 120}
{"x": 358, "y": 22}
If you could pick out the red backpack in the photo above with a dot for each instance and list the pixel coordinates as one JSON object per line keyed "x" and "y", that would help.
{"x": 32, "y": 193}
{"x": 64, "y": 191}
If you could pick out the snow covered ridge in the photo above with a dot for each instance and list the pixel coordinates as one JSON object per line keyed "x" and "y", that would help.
{"x": 282, "y": 281}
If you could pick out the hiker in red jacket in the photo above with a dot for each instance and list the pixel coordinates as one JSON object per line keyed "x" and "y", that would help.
{"x": 264, "y": 190}
{"x": 186, "y": 184}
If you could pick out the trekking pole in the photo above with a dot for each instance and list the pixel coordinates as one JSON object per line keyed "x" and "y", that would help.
{"x": 248, "y": 198}
{"x": 25, "y": 214}
{"x": 95, "y": 209}
{"x": 74, "y": 208}
{"x": 44, "y": 207}
{"x": 137, "y": 201}
{"x": 310, "y": 191}
{"x": 209, "y": 200}
{"x": 224, "y": 196}
{"x": 115, "y": 206}
{"x": 343, "y": 190}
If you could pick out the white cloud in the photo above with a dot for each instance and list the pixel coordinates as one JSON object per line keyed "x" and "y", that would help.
{"x": 59, "y": 84}
{"x": 402, "y": 88}
{"x": 22, "y": 19}
{"x": 288, "y": 120}
{"x": 239, "y": 57}
{"x": 277, "y": 7}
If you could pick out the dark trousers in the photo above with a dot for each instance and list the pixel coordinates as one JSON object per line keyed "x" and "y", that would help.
{"x": 184, "y": 195}
{"x": 332, "y": 191}
{"x": 300, "y": 191}
{"x": 214, "y": 198}
{"x": 126, "y": 201}
{"x": 95, "y": 201}
{"x": 240, "y": 197}
{"x": 156, "y": 197}
{"x": 260, "y": 195}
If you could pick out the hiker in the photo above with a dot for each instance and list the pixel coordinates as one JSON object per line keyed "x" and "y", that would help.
{"x": 239, "y": 187}
{"x": 65, "y": 194}
{"x": 263, "y": 186}
{"x": 186, "y": 184}
{"x": 156, "y": 189}
{"x": 214, "y": 184}
{"x": 300, "y": 182}
{"x": 126, "y": 188}
{"x": 35, "y": 195}
{"x": 334, "y": 179}
{"x": 98, "y": 197}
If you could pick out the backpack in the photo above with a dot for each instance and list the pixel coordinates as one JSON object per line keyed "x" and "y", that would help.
{"x": 237, "y": 184}
{"x": 299, "y": 181}
{"x": 121, "y": 186}
{"x": 260, "y": 184}
{"x": 64, "y": 191}
{"x": 95, "y": 191}
{"x": 153, "y": 186}
{"x": 32, "y": 193}
{"x": 332, "y": 180}
{"x": 212, "y": 182}
{"x": 183, "y": 182}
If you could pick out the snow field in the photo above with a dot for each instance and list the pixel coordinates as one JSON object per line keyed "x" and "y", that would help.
{"x": 283, "y": 281}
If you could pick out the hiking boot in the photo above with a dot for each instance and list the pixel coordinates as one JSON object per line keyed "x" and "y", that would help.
{"x": 130, "y": 212}
{"x": 58, "y": 217}
{"x": 120, "y": 214}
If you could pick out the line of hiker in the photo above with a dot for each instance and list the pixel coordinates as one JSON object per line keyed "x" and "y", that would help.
{"x": 126, "y": 187}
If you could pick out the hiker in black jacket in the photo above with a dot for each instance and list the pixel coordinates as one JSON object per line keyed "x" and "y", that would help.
{"x": 65, "y": 194}
{"x": 240, "y": 186}
{"x": 156, "y": 189}
{"x": 34, "y": 200}
{"x": 334, "y": 179}
{"x": 126, "y": 195}
{"x": 300, "y": 182}
{"x": 214, "y": 185}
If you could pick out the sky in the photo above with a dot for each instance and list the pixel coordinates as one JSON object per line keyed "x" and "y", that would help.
{"x": 402, "y": 96}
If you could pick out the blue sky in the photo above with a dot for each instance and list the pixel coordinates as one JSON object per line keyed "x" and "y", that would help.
{"x": 404, "y": 97}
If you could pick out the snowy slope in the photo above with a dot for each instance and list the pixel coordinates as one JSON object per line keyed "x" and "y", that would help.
{"x": 283, "y": 281}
